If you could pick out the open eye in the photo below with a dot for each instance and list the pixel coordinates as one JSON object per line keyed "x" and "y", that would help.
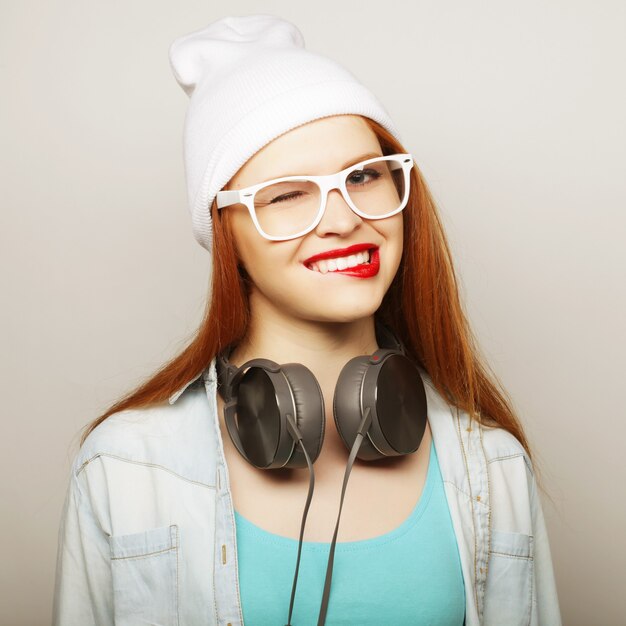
{"x": 362, "y": 177}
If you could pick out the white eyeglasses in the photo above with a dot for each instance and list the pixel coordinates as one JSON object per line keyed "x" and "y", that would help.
{"x": 289, "y": 207}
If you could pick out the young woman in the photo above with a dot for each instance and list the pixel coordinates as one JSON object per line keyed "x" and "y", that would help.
{"x": 333, "y": 377}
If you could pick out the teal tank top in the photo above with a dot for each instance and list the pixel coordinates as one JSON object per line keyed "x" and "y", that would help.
{"x": 408, "y": 576}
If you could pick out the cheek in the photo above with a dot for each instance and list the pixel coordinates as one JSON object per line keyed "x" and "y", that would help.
{"x": 269, "y": 264}
{"x": 395, "y": 240}
{"x": 257, "y": 263}
{"x": 249, "y": 245}
{"x": 400, "y": 236}
{"x": 281, "y": 282}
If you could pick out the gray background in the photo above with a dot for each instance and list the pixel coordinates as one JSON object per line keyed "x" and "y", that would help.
{"x": 514, "y": 112}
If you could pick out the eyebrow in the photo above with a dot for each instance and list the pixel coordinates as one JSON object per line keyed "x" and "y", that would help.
{"x": 362, "y": 157}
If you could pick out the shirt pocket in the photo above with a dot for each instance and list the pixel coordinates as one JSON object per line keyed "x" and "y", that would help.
{"x": 508, "y": 592}
{"x": 144, "y": 569}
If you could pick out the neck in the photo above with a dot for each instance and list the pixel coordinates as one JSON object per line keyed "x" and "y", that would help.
{"x": 324, "y": 347}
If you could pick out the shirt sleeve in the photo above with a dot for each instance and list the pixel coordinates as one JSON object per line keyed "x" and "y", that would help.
{"x": 545, "y": 604}
{"x": 83, "y": 593}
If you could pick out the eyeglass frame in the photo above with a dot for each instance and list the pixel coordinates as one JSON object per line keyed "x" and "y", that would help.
{"x": 326, "y": 183}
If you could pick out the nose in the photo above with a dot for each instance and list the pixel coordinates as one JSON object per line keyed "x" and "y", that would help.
{"x": 338, "y": 217}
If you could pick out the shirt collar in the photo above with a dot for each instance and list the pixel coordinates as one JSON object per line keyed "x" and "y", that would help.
{"x": 180, "y": 391}
{"x": 209, "y": 373}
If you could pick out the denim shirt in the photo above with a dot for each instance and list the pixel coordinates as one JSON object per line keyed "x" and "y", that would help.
{"x": 148, "y": 536}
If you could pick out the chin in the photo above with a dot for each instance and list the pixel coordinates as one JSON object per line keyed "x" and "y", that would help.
{"x": 341, "y": 314}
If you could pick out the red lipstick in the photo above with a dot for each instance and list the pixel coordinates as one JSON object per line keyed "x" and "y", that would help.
{"x": 364, "y": 270}
{"x": 329, "y": 254}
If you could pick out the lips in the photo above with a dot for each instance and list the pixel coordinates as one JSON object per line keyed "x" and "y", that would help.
{"x": 339, "y": 252}
{"x": 361, "y": 270}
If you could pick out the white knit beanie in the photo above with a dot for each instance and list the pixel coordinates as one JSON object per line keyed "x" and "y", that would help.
{"x": 249, "y": 80}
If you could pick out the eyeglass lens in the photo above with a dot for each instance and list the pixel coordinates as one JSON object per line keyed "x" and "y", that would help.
{"x": 287, "y": 208}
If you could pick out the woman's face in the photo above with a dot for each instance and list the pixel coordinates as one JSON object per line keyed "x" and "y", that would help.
{"x": 281, "y": 279}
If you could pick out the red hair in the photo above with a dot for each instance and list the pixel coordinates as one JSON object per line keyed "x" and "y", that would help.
{"x": 422, "y": 306}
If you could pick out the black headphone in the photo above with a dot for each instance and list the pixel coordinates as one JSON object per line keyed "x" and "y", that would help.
{"x": 379, "y": 406}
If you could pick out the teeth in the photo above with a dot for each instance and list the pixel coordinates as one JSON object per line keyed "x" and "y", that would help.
{"x": 341, "y": 263}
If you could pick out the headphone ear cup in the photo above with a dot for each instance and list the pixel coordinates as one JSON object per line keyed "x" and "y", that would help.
{"x": 310, "y": 414}
{"x": 258, "y": 417}
{"x": 347, "y": 411}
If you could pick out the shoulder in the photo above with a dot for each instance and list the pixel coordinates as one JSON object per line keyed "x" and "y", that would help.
{"x": 177, "y": 437}
{"x": 500, "y": 444}
{"x": 450, "y": 423}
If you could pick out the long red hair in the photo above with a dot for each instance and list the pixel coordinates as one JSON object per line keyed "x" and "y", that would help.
{"x": 422, "y": 306}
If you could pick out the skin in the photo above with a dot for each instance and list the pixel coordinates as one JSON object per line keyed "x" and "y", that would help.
{"x": 297, "y": 314}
